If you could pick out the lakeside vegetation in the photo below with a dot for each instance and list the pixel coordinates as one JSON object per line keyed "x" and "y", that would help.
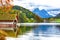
{"x": 24, "y": 16}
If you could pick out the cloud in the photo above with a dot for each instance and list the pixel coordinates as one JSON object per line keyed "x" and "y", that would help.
{"x": 31, "y": 4}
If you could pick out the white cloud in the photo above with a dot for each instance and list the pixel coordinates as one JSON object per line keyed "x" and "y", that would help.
{"x": 27, "y": 3}
{"x": 54, "y": 3}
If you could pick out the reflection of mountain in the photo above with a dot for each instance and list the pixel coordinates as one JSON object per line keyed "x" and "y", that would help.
{"x": 42, "y": 13}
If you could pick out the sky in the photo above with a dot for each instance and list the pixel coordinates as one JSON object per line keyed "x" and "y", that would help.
{"x": 41, "y": 4}
{"x": 30, "y": 4}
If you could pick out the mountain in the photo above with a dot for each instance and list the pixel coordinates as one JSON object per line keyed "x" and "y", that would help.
{"x": 26, "y": 15}
{"x": 41, "y": 13}
{"x": 53, "y": 10}
{"x": 57, "y": 16}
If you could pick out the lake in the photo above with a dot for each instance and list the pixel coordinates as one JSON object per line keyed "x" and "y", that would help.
{"x": 45, "y": 31}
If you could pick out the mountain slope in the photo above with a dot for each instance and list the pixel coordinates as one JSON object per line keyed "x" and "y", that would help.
{"x": 26, "y": 15}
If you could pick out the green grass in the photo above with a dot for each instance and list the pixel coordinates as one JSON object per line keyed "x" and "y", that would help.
{"x": 57, "y": 20}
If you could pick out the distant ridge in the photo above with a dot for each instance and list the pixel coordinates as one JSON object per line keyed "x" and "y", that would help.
{"x": 58, "y": 16}
{"x": 54, "y": 9}
{"x": 41, "y": 13}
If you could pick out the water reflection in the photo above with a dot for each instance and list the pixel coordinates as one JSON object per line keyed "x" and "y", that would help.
{"x": 47, "y": 30}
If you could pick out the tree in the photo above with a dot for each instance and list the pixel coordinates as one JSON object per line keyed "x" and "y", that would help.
{"x": 4, "y": 2}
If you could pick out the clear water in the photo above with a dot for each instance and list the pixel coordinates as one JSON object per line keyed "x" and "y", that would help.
{"x": 46, "y": 31}
{"x": 42, "y": 32}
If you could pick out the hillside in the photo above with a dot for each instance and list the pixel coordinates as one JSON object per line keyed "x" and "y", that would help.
{"x": 26, "y": 15}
